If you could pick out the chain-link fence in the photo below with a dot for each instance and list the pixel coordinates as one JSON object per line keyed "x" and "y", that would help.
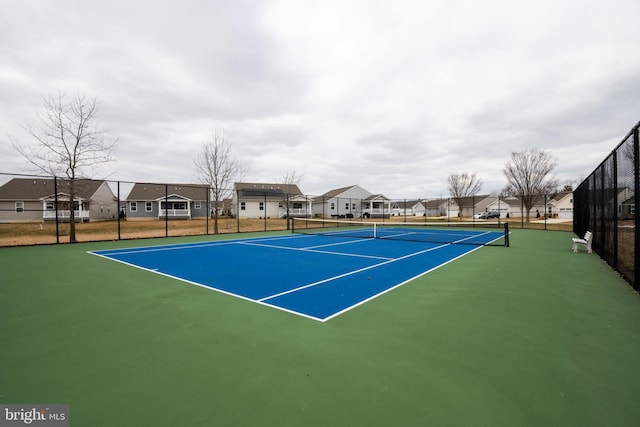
{"x": 606, "y": 205}
{"x": 47, "y": 210}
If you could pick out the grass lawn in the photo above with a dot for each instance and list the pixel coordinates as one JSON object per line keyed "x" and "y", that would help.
{"x": 531, "y": 335}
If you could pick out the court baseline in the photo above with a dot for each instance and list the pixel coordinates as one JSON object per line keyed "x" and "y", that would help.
{"x": 294, "y": 273}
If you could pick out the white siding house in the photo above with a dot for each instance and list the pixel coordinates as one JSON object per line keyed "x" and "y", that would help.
{"x": 497, "y": 204}
{"x": 408, "y": 208}
{"x": 351, "y": 202}
{"x": 561, "y": 206}
{"x": 269, "y": 200}
{"x": 176, "y": 201}
{"x": 34, "y": 199}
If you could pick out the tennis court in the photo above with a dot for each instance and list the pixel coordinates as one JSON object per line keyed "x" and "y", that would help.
{"x": 530, "y": 335}
{"x": 327, "y": 269}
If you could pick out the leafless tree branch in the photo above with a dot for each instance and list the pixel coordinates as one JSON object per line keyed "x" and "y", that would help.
{"x": 463, "y": 185}
{"x": 529, "y": 175}
{"x": 216, "y": 167}
{"x": 68, "y": 141}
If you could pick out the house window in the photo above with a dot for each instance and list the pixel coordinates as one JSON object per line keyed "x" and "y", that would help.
{"x": 133, "y": 207}
{"x": 353, "y": 206}
{"x": 148, "y": 206}
{"x": 197, "y": 205}
{"x": 297, "y": 205}
{"x": 19, "y": 207}
{"x": 49, "y": 206}
{"x": 333, "y": 206}
{"x": 346, "y": 206}
{"x": 243, "y": 206}
{"x": 261, "y": 206}
{"x": 174, "y": 205}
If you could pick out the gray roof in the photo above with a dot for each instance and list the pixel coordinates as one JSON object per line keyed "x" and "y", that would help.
{"x": 560, "y": 195}
{"x": 407, "y": 204}
{"x": 516, "y": 201}
{"x": 436, "y": 203}
{"x": 377, "y": 197}
{"x": 148, "y": 192}
{"x": 470, "y": 200}
{"x": 39, "y": 188}
{"x": 333, "y": 193}
{"x": 255, "y": 189}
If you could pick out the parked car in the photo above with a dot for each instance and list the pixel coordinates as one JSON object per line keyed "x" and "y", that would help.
{"x": 491, "y": 214}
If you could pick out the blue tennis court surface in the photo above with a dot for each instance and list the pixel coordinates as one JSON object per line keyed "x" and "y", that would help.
{"x": 318, "y": 277}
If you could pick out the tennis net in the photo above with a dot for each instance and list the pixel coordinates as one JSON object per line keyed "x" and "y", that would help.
{"x": 469, "y": 233}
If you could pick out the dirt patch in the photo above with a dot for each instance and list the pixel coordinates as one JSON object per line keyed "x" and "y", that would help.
{"x": 37, "y": 233}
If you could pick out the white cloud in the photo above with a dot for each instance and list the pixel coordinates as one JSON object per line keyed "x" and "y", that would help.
{"x": 394, "y": 96}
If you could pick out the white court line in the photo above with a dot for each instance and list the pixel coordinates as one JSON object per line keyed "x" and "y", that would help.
{"x": 286, "y": 248}
{"x": 348, "y": 242}
{"x": 180, "y": 246}
{"x": 372, "y": 297}
{"x": 210, "y": 288}
{"x": 353, "y": 272}
{"x": 389, "y": 261}
{"x": 392, "y": 236}
{"x": 108, "y": 255}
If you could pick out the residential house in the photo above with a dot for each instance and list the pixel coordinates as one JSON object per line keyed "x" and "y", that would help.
{"x": 627, "y": 209}
{"x": 471, "y": 205}
{"x": 438, "y": 207}
{"x": 351, "y": 202}
{"x": 516, "y": 207}
{"x": 498, "y": 204}
{"x": 38, "y": 199}
{"x": 269, "y": 200}
{"x": 175, "y": 201}
{"x": 561, "y": 205}
{"x": 376, "y": 206}
{"x": 408, "y": 208}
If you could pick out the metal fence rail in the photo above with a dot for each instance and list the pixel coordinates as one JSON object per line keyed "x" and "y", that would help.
{"x": 38, "y": 209}
{"x": 605, "y": 203}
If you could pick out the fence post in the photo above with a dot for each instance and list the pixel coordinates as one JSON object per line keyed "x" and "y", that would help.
{"x": 546, "y": 209}
{"x": 118, "y": 209}
{"x": 208, "y": 212}
{"x": 55, "y": 198}
{"x": 238, "y": 208}
{"x": 615, "y": 219}
{"x": 405, "y": 210}
{"x": 636, "y": 187}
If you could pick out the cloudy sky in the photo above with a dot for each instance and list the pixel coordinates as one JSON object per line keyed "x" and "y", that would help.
{"x": 392, "y": 95}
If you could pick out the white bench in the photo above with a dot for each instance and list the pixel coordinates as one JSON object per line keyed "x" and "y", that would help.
{"x": 586, "y": 241}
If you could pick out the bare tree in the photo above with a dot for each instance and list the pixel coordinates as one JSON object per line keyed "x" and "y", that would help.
{"x": 69, "y": 142}
{"x": 291, "y": 177}
{"x": 216, "y": 167}
{"x": 463, "y": 185}
{"x": 529, "y": 175}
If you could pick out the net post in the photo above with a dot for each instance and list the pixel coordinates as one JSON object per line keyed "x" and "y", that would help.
{"x": 506, "y": 234}
{"x": 375, "y": 230}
